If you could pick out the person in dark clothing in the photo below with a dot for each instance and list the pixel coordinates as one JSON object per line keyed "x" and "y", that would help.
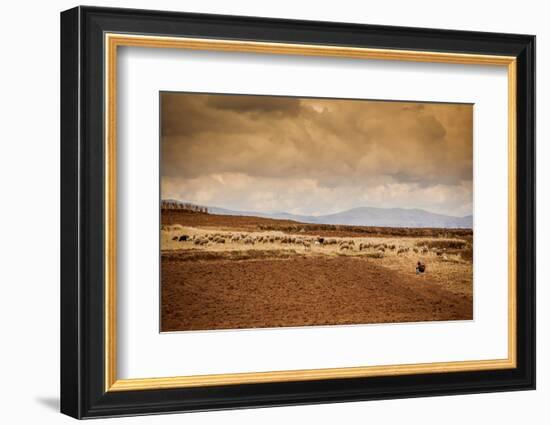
{"x": 420, "y": 267}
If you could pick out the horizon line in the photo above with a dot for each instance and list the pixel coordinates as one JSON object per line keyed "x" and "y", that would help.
{"x": 320, "y": 215}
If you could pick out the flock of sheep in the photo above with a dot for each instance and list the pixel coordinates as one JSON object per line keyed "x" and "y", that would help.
{"x": 247, "y": 239}
{"x": 377, "y": 250}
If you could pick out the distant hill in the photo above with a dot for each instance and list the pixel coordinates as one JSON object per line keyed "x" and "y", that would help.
{"x": 367, "y": 216}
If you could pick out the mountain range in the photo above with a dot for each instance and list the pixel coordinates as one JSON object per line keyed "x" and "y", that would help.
{"x": 367, "y": 216}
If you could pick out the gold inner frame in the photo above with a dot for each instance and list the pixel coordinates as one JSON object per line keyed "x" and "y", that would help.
{"x": 113, "y": 41}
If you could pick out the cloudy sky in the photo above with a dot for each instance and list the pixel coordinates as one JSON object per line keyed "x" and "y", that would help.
{"x": 315, "y": 156}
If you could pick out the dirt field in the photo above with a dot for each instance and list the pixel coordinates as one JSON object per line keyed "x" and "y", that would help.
{"x": 227, "y": 272}
{"x": 248, "y": 223}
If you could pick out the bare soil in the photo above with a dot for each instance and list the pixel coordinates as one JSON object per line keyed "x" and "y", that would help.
{"x": 231, "y": 272}
{"x": 251, "y": 223}
{"x": 255, "y": 291}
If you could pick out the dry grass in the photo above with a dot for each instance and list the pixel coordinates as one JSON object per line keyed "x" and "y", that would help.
{"x": 443, "y": 243}
{"x": 259, "y": 224}
{"x": 277, "y": 243}
{"x": 221, "y": 272}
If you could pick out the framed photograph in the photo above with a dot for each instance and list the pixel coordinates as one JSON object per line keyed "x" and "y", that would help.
{"x": 261, "y": 212}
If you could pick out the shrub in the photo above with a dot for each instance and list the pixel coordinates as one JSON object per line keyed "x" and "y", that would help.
{"x": 468, "y": 253}
{"x": 443, "y": 243}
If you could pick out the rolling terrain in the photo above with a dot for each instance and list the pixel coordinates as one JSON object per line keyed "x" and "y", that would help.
{"x": 229, "y": 272}
{"x": 362, "y": 216}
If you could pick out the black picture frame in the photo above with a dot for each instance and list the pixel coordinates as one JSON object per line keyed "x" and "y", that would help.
{"x": 83, "y": 392}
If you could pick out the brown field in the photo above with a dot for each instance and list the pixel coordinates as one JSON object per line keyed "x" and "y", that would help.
{"x": 249, "y": 272}
{"x": 257, "y": 224}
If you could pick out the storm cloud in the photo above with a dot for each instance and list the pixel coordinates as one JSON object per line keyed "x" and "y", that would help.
{"x": 315, "y": 156}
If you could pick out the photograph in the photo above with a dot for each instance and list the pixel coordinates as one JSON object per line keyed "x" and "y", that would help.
{"x": 283, "y": 210}
{"x": 279, "y": 211}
